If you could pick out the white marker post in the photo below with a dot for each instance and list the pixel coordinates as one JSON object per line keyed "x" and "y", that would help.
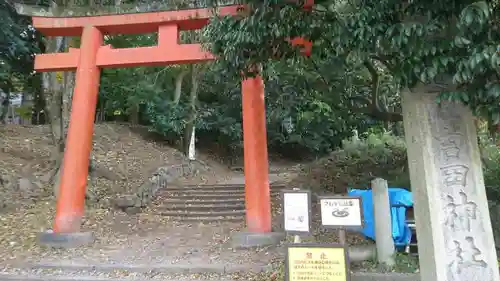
{"x": 296, "y": 212}
{"x": 341, "y": 212}
{"x": 192, "y": 148}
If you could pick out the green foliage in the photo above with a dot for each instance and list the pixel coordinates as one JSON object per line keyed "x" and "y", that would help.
{"x": 383, "y": 155}
{"x": 24, "y": 111}
{"x": 299, "y": 92}
{"x": 357, "y": 163}
{"x": 318, "y": 125}
{"x": 318, "y": 95}
{"x": 246, "y": 42}
{"x": 167, "y": 119}
{"x": 491, "y": 167}
{"x": 122, "y": 89}
{"x": 294, "y": 91}
{"x": 18, "y": 43}
{"x": 453, "y": 44}
{"x": 404, "y": 263}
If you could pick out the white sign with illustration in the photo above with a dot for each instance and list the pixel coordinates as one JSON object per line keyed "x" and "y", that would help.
{"x": 296, "y": 207}
{"x": 341, "y": 211}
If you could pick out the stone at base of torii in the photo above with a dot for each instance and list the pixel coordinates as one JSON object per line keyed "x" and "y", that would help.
{"x": 454, "y": 230}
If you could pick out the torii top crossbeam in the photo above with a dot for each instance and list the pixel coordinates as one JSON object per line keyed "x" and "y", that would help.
{"x": 166, "y": 23}
{"x": 134, "y": 23}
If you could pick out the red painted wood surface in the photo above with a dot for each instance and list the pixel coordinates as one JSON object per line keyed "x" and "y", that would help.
{"x": 134, "y": 23}
{"x": 71, "y": 198}
{"x": 167, "y": 24}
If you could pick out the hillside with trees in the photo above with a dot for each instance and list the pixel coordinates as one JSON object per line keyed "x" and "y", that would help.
{"x": 364, "y": 54}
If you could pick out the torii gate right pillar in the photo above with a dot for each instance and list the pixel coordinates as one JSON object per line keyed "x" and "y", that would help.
{"x": 257, "y": 193}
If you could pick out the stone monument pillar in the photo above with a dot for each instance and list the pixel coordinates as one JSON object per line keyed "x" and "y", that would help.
{"x": 455, "y": 237}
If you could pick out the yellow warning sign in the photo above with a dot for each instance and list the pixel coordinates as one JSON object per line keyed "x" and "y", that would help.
{"x": 316, "y": 263}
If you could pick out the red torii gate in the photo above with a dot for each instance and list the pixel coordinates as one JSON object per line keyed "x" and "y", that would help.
{"x": 92, "y": 56}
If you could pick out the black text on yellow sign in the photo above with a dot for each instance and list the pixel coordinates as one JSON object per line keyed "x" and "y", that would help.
{"x": 316, "y": 263}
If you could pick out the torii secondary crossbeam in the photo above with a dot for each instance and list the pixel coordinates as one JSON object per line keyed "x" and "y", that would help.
{"x": 92, "y": 56}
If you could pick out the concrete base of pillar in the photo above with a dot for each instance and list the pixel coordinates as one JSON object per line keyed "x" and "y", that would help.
{"x": 65, "y": 240}
{"x": 255, "y": 239}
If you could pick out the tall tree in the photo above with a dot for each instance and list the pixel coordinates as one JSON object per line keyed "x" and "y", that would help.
{"x": 18, "y": 43}
{"x": 452, "y": 44}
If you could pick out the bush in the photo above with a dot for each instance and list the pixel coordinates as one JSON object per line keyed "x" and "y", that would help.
{"x": 357, "y": 163}
{"x": 382, "y": 155}
{"x": 490, "y": 156}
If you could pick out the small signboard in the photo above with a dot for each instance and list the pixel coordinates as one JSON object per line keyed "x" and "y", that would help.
{"x": 297, "y": 211}
{"x": 315, "y": 262}
{"x": 341, "y": 211}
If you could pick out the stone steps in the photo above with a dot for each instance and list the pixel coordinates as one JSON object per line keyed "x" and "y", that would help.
{"x": 206, "y": 192}
{"x": 189, "y": 213}
{"x": 204, "y": 219}
{"x": 219, "y": 187}
{"x": 206, "y": 203}
{"x": 203, "y": 207}
{"x": 211, "y": 194}
{"x": 203, "y": 196}
{"x": 166, "y": 201}
{"x": 272, "y": 170}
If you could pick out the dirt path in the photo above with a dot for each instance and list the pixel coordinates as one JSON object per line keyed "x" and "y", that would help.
{"x": 155, "y": 246}
{"x": 148, "y": 240}
{"x": 142, "y": 240}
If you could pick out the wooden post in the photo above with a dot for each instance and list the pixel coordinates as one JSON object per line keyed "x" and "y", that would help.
{"x": 71, "y": 198}
{"x": 342, "y": 236}
{"x": 192, "y": 147}
{"x": 296, "y": 239}
{"x": 257, "y": 194}
{"x": 383, "y": 222}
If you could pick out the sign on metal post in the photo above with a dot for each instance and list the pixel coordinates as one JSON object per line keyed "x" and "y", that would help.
{"x": 316, "y": 262}
{"x": 341, "y": 212}
{"x": 297, "y": 211}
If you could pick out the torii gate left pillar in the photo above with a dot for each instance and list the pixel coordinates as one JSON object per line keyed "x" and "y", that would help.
{"x": 93, "y": 56}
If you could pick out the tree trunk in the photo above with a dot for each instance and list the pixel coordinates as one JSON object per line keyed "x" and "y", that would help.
{"x": 53, "y": 93}
{"x": 69, "y": 86}
{"x": 398, "y": 129}
{"x": 53, "y": 89}
{"x": 134, "y": 114}
{"x": 178, "y": 86}
{"x": 492, "y": 130}
{"x": 387, "y": 125}
{"x": 37, "y": 117}
{"x": 4, "y": 107}
{"x": 191, "y": 118}
{"x": 67, "y": 95}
